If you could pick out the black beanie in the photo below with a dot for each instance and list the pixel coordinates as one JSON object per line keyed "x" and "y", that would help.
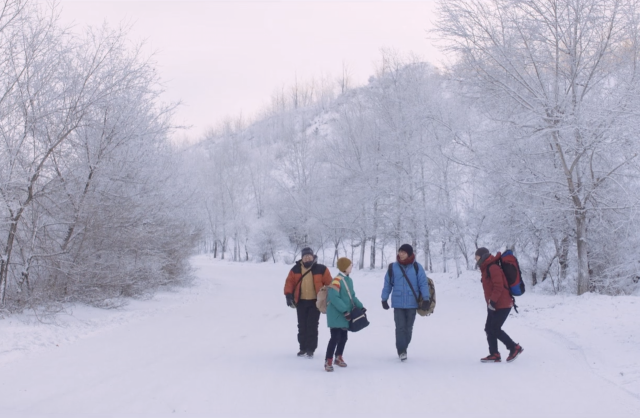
{"x": 482, "y": 251}
{"x": 407, "y": 249}
{"x": 306, "y": 251}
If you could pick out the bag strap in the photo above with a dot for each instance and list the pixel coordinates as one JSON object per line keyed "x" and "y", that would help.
{"x": 390, "y": 272}
{"x": 300, "y": 281}
{"x": 404, "y": 273}
{"x": 515, "y": 307}
{"x": 348, "y": 291}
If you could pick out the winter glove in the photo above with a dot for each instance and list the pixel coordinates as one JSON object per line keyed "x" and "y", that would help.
{"x": 491, "y": 305}
{"x": 364, "y": 309}
{"x": 385, "y": 305}
{"x": 290, "y": 301}
{"x": 347, "y": 316}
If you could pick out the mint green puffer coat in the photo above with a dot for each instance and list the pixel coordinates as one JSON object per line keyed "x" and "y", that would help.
{"x": 339, "y": 302}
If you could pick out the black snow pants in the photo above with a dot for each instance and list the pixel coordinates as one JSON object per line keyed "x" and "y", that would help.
{"x": 308, "y": 319}
{"x": 493, "y": 329}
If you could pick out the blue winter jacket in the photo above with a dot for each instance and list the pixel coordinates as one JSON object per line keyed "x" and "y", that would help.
{"x": 401, "y": 295}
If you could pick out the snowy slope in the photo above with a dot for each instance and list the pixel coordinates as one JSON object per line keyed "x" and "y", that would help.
{"x": 226, "y": 348}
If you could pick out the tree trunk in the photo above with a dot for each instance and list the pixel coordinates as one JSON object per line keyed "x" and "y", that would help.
{"x": 427, "y": 251}
{"x": 545, "y": 274}
{"x": 372, "y": 257}
{"x": 4, "y": 267}
{"x": 563, "y": 257}
{"x": 363, "y": 247}
{"x": 463, "y": 249}
{"x": 534, "y": 268}
{"x": 72, "y": 227}
{"x": 336, "y": 254}
{"x": 583, "y": 256}
{"x": 444, "y": 257}
{"x": 3, "y": 283}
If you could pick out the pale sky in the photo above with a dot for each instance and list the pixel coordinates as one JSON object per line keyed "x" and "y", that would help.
{"x": 223, "y": 58}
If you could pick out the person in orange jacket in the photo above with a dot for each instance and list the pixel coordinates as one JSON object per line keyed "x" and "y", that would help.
{"x": 499, "y": 304}
{"x": 301, "y": 292}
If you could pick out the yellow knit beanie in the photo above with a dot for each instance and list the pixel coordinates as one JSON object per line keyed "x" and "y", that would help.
{"x": 343, "y": 264}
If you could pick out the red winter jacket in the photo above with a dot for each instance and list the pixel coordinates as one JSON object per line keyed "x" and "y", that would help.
{"x": 321, "y": 276}
{"x": 495, "y": 285}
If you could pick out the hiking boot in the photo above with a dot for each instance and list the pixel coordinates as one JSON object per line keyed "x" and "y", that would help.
{"x": 301, "y": 353}
{"x": 403, "y": 356}
{"x": 339, "y": 361}
{"x": 514, "y": 353}
{"x": 493, "y": 358}
{"x": 328, "y": 366}
{"x": 309, "y": 354}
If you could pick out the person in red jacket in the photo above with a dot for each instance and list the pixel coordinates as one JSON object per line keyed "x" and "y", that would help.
{"x": 499, "y": 304}
{"x": 301, "y": 291}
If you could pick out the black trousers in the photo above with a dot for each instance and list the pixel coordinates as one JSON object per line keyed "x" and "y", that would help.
{"x": 337, "y": 342}
{"x": 308, "y": 318}
{"x": 493, "y": 329}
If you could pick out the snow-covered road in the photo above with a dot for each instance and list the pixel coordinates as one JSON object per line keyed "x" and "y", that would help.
{"x": 226, "y": 348}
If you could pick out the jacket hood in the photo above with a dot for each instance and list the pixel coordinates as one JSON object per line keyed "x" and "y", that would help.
{"x": 490, "y": 260}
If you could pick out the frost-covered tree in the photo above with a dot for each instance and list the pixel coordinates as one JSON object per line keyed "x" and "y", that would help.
{"x": 90, "y": 206}
{"x": 561, "y": 79}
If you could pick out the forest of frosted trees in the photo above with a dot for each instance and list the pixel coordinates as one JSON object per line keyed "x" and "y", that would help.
{"x": 91, "y": 207}
{"x": 528, "y": 139}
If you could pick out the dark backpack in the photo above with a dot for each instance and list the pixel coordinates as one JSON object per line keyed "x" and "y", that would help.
{"x": 511, "y": 268}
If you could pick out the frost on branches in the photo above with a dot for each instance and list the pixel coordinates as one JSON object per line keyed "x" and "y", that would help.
{"x": 89, "y": 212}
{"x": 528, "y": 141}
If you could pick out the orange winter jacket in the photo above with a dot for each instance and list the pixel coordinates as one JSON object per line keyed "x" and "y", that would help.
{"x": 321, "y": 277}
{"x": 495, "y": 284}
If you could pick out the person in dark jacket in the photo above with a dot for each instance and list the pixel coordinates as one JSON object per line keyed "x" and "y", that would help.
{"x": 499, "y": 304}
{"x": 301, "y": 292}
{"x": 403, "y": 298}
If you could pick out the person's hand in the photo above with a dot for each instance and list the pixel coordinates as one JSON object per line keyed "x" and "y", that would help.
{"x": 491, "y": 305}
{"x": 290, "y": 302}
{"x": 385, "y": 305}
{"x": 347, "y": 316}
{"x": 364, "y": 309}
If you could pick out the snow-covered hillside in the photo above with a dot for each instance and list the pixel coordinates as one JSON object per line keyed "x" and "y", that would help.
{"x": 226, "y": 346}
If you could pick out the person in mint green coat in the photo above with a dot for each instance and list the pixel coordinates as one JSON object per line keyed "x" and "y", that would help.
{"x": 340, "y": 296}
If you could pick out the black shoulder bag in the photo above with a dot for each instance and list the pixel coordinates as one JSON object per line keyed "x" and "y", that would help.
{"x": 358, "y": 319}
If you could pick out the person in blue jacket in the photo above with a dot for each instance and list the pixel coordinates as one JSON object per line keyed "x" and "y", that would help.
{"x": 403, "y": 299}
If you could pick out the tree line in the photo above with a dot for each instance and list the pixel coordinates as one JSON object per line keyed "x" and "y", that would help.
{"x": 527, "y": 140}
{"x": 92, "y": 209}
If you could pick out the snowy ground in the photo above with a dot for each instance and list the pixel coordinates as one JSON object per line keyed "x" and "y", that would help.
{"x": 226, "y": 348}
